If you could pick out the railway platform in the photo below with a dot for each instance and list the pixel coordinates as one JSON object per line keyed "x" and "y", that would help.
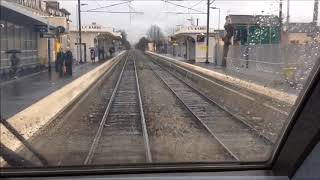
{"x": 55, "y": 96}
{"x": 267, "y": 79}
{"x": 23, "y": 92}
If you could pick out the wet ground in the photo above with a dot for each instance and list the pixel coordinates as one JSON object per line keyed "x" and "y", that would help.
{"x": 271, "y": 80}
{"x": 19, "y": 94}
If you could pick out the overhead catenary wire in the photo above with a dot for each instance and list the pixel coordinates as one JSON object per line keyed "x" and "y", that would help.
{"x": 183, "y": 6}
{"x": 111, "y": 5}
{"x": 196, "y": 3}
{"x": 115, "y": 12}
{"x": 172, "y": 12}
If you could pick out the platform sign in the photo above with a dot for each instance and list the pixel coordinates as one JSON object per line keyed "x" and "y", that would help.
{"x": 46, "y": 35}
{"x": 40, "y": 28}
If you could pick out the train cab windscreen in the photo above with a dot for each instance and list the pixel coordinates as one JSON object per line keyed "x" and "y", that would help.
{"x": 151, "y": 83}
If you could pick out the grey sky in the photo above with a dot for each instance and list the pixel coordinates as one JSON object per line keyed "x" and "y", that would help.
{"x": 154, "y": 13}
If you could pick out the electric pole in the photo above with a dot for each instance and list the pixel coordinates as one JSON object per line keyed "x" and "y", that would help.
{"x": 280, "y": 19}
{"x": 288, "y": 13}
{"x": 80, "y": 39}
{"x": 207, "y": 43}
{"x": 315, "y": 12}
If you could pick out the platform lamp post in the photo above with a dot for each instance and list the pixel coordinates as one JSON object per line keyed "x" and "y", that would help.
{"x": 48, "y": 42}
{"x": 280, "y": 19}
{"x": 80, "y": 38}
{"x": 218, "y": 34}
{"x": 49, "y": 46}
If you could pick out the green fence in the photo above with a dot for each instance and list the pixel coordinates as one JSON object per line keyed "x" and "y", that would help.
{"x": 254, "y": 34}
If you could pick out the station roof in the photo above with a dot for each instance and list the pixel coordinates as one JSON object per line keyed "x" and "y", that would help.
{"x": 302, "y": 28}
{"x": 193, "y": 30}
{"x": 20, "y": 15}
{"x": 102, "y": 31}
{"x": 108, "y": 34}
{"x": 264, "y": 20}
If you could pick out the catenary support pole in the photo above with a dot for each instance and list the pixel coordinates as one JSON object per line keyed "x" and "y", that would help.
{"x": 80, "y": 39}
{"x": 207, "y": 38}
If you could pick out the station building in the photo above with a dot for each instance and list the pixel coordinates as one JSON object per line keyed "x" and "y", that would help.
{"x": 302, "y": 33}
{"x": 18, "y": 21}
{"x": 190, "y": 43}
{"x": 254, "y": 30}
{"x": 97, "y": 37}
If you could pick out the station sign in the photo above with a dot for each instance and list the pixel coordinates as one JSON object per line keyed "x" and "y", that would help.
{"x": 40, "y": 28}
{"x": 175, "y": 44}
{"x": 200, "y": 38}
{"x": 46, "y": 35}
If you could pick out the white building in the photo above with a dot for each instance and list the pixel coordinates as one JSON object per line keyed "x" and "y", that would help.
{"x": 94, "y": 36}
{"x": 18, "y": 21}
{"x": 190, "y": 43}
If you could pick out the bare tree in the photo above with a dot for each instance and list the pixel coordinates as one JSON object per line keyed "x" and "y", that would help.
{"x": 142, "y": 44}
{"x": 124, "y": 41}
{"x": 170, "y": 30}
{"x": 155, "y": 34}
{"x": 227, "y": 42}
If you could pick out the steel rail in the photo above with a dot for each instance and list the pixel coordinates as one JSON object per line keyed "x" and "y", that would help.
{"x": 104, "y": 118}
{"x": 201, "y": 122}
{"x": 213, "y": 102}
{"x": 143, "y": 120}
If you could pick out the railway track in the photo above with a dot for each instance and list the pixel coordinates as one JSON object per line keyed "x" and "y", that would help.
{"x": 241, "y": 141}
{"x": 122, "y": 136}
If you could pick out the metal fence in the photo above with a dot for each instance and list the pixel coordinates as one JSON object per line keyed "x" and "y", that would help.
{"x": 292, "y": 63}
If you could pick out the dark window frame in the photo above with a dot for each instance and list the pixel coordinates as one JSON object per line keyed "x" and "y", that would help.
{"x": 303, "y": 131}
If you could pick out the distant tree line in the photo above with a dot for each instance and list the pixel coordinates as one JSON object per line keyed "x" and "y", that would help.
{"x": 124, "y": 41}
{"x": 142, "y": 44}
{"x": 154, "y": 35}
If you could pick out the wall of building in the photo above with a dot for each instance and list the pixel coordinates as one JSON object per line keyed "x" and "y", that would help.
{"x": 59, "y": 21}
{"x": 43, "y": 50}
{"x": 87, "y": 38}
{"x": 23, "y": 38}
{"x": 34, "y": 49}
{"x": 201, "y": 50}
{"x": 191, "y": 49}
{"x": 196, "y": 51}
{"x": 93, "y": 40}
{"x": 299, "y": 38}
{"x": 34, "y": 4}
{"x": 151, "y": 47}
{"x": 296, "y": 59}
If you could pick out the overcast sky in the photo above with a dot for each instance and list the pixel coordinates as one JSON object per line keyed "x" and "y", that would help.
{"x": 154, "y": 12}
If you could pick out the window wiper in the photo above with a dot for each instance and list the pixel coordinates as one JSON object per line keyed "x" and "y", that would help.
{"x": 13, "y": 159}
{"x": 7, "y": 151}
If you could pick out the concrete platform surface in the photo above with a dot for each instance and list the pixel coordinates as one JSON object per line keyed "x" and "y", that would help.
{"x": 16, "y": 95}
{"x": 267, "y": 79}
{"x": 252, "y": 84}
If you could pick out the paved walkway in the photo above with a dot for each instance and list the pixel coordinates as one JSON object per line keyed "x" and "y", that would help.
{"x": 275, "y": 81}
{"x": 16, "y": 95}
